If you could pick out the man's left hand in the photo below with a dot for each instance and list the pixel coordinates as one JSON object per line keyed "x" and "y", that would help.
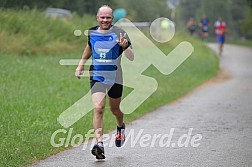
{"x": 123, "y": 42}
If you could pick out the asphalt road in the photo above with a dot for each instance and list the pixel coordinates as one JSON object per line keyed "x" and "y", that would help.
{"x": 212, "y": 126}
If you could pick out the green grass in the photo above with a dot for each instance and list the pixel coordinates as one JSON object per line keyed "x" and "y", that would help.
{"x": 35, "y": 90}
{"x": 31, "y": 33}
{"x": 242, "y": 43}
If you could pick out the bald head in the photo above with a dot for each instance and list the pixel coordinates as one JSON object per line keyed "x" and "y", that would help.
{"x": 105, "y": 9}
{"x": 104, "y": 17}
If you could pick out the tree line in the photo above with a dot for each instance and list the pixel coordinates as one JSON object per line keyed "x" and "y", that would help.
{"x": 237, "y": 13}
{"x": 139, "y": 10}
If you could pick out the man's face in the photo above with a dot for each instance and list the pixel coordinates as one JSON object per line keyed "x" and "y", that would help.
{"x": 105, "y": 18}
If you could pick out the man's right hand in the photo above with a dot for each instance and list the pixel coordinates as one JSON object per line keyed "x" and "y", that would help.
{"x": 79, "y": 71}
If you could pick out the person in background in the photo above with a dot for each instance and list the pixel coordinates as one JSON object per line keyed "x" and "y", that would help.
{"x": 191, "y": 25}
{"x": 220, "y": 31}
{"x": 204, "y": 25}
{"x": 118, "y": 14}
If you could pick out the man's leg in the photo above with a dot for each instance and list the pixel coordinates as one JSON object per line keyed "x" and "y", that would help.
{"x": 222, "y": 43}
{"x": 114, "y": 104}
{"x": 99, "y": 99}
{"x": 219, "y": 44}
{"x": 115, "y": 94}
{"x": 120, "y": 129}
{"x": 221, "y": 48}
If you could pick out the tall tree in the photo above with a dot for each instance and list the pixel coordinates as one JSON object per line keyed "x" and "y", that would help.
{"x": 189, "y": 8}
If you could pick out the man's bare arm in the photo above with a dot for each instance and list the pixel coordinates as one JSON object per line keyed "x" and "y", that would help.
{"x": 85, "y": 56}
{"x": 129, "y": 53}
{"x": 123, "y": 42}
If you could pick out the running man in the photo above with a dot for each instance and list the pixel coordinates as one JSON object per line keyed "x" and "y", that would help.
{"x": 106, "y": 43}
{"x": 220, "y": 31}
{"x": 204, "y": 25}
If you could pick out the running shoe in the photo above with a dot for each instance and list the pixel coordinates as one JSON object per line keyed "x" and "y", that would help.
{"x": 98, "y": 151}
{"x": 120, "y": 136}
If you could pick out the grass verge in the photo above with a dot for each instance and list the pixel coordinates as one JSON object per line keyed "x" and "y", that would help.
{"x": 242, "y": 43}
{"x": 30, "y": 32}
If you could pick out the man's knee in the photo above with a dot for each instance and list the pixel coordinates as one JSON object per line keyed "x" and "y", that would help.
{"x": 99, "y": 109}
{"x": 115, "y": 110}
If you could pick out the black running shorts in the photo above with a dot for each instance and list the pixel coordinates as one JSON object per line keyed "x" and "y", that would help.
{"x": 114, "y": 91}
